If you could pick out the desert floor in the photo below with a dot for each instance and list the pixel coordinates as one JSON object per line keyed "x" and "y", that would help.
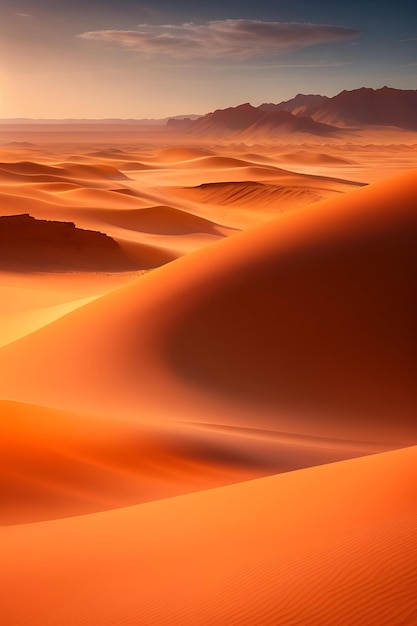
{"x": 208, "y": 411}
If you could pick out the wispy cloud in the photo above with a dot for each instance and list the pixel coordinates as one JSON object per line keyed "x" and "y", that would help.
{"x": 239, "y": 39}
{"x": 22, "y": 14}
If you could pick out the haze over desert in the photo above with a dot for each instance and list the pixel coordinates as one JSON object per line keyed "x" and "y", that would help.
{"x": 208, "y": 340}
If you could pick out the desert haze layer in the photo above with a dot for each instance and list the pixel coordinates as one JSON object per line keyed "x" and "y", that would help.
{"x": 208, "y": 372}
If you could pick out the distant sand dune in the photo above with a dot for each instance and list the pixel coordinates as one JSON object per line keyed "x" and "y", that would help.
{"x": 29, "y": 168}
{"x": 261, "y": 197}
{"x": 182, "y": 154}
{"x": 163, "y": 220}
{"x": 106, "y": 172}
{"x": 27, "y": 171}
{"x": 133, "y": 166}
{"x": 220, "y": 162}
{"x": 101, "y": 198}
{"x": 314, "y": 158}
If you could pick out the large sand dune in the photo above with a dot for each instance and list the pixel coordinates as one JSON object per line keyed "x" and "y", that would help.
{"x": 296, "y": 319}
{"x": 181, "y": 445}
{"x": 326, "y": 545}
{"x": 292, "y": 326}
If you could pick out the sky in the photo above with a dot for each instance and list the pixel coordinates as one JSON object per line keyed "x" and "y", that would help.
{"x": 133, "y": 59}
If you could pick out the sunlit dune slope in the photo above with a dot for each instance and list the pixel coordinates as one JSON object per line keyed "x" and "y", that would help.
{"x": 31, "y": 300}
{"x": 327, "y": 545}
{"x": 305, "y": 324}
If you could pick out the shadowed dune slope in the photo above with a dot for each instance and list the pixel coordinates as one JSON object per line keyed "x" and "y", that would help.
{"x": 304, "y": 325}
{"x": 329, "y": 545}
{"x": 316, "y": 314}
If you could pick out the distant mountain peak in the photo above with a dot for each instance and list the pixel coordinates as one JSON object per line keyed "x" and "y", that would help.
{"x": 245, "y": 120}
{"x": 364, "y": 106}
{"x": 310, "y": 114}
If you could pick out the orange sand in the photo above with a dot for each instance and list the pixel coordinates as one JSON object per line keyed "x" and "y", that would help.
{"x": 327, "y": 545}
{"x": 182, "y": 425}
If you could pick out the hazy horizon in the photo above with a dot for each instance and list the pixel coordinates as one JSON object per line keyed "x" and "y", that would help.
{"x": 126, "y": 120}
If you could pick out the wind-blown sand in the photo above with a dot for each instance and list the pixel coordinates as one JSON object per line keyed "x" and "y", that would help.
{"x": 183, "y": 408}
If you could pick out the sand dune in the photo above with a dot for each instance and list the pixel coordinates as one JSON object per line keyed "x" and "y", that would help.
{"x": 17, "y": 324}
{"x": 214, "y": 161}
{"x": 299, "y": 283}
{"x": 101, "y": 198}
{"x": 162, "y": 220}
{"x": 106, "y": 172}
{"x": 135, "y": 406}
{"x": 314, "y": 158}
{"x": 146, "y": 256}
{"x": 28, "y": 170}
{"x": 57, "y": 464}
{"x": 133, "y": 166}
{"x": 110, "y": 153}
{"x": 326, "y": 545}
{"x": 261, "y": 198}
{"x": 182, "y": 154}
{"x": 292, "y": 324}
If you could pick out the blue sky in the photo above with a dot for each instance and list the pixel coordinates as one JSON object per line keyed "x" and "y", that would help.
{"x": 126, "y": 58}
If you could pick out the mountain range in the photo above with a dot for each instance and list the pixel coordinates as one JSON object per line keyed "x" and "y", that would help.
{"x": 310, "y": 114}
